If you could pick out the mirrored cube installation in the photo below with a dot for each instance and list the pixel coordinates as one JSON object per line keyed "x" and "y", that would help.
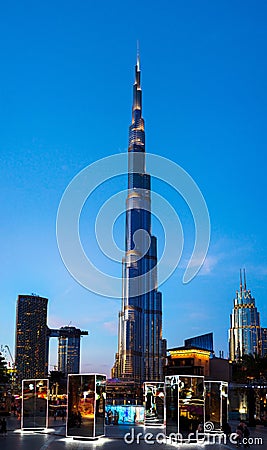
{"x": 86, "y": 406}
{"x": 184, "y": 405}
{"x": 154, "y": 403}
{"x": 34, "y": 408}
{"x": 216, "y": 404}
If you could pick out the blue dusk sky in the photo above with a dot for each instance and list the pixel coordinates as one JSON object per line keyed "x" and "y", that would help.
{"x": 66, "y": 77}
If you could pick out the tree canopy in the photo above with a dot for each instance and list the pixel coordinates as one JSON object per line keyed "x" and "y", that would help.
{"x": 4, "y": 375}
{"x": 250, "y": 368}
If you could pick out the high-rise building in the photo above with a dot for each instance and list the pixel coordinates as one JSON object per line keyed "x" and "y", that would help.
{"x": 141, "y": 349}
{"x": 69, "y": 344}
{"x": 264, "y": 342}
{"x": 245, "y": 331}
{"x": 31, "y": 337}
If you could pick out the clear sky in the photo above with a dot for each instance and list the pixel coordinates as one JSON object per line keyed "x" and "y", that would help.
{"x": 66, "y": 79}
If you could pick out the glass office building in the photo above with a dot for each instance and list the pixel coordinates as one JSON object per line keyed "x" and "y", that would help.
{"x": 69, "y": 348}
{"x": 204, "y": 341}
{"x": 140, "y": 345}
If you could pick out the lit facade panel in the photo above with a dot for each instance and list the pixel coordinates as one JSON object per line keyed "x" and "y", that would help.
{"x": 86, "y": 406}
{"x": 124, "y": 415}
{"x": 34, "y": 407}
{"x": 140, "y": 347}
{"x": 188, "y": 361}
{"x": 264, "y": 341}
{"x": 184, "y": 405}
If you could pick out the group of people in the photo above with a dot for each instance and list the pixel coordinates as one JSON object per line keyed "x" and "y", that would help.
{"x": 60, "y": 413}
{"x": 3, "y": 426}
{"x": 112, "y": 418}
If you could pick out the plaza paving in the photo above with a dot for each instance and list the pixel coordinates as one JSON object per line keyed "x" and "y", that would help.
{"x": 54, "y": 439}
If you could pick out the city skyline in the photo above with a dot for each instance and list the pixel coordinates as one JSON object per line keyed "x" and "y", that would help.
{"x": 66, "y": 104}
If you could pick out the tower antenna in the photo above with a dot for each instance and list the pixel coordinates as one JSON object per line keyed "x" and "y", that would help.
{"x": 241, "y": 281}
{"x": 245, "y": 281}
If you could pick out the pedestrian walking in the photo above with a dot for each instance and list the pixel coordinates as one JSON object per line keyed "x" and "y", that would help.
{"x": 4, "y": 427}
{"x": 239, "y": 432}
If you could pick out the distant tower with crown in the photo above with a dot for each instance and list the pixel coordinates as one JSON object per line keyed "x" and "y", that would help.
{"x": 245, "y": 331}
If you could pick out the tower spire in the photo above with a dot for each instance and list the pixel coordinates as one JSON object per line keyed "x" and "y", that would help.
{"x": 137, "y": 84}
{"x": 137, "y": 128}
{"x": 138, "y": 55}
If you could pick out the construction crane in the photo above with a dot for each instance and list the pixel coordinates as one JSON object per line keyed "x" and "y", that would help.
{"x": 6, "y": 347}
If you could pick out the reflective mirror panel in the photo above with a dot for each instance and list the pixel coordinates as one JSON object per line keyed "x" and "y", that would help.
{"x": 213, "y": 404}
{"x": 184, "y": 403}
{"x": 171, "y": 404}
{"x": 154, "y": 403}
{"x": 224, "y": 392}
{"x": 191, "y": 404}
{"x": 86, "y": 405}
{"x": 34, "y": 404}
{"x": 100, "y": 405}
{"x": 216, "y": 404}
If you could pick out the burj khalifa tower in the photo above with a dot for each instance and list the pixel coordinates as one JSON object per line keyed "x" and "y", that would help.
{"x": 141, "y": 349}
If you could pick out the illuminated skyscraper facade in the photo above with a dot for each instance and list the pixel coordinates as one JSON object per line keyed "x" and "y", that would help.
{"x": 31, "y": 337}
{"x": 69, "y": 348}
{"x": 69, "y": 345}
{"x": 245, "y": 331}
{"x": 141, "y": 348}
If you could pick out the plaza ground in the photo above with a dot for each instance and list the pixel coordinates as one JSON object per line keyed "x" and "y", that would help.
{"x": 54, "y": 439}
